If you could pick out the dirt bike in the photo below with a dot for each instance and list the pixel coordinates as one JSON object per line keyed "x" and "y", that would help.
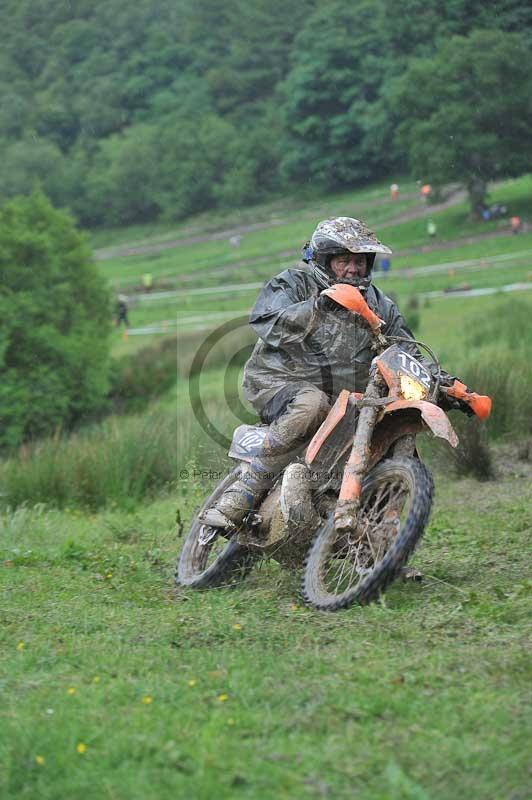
{"x": 353, "y": 506}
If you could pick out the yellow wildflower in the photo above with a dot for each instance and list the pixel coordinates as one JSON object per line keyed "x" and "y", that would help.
{"x": 147, "y": 700}
{"x": 223, "y": 697}
{"x": 20, "y": 646}
{"x": 81, "y": 748}
{"x": 109, "y": 575}
{"x": 40, "y": 760}
{"x": 237, "y": 626}
{"x": 96, "y": 679}
{"x": 192, "y": 682}
{"x": 71, "y": 690}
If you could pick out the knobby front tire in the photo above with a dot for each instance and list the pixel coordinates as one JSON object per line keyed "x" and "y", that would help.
{"x": 218, "y": 563}
{"x": 343, "y": 569}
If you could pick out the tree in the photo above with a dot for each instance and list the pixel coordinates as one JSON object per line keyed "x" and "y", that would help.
{"x": 331, "y": 94}
{"x": 467, "y": 113}
{"x": 54, "y": 306}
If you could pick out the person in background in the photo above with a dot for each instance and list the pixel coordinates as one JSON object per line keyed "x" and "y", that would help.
{"x": 515, "y": 223}
{"x": 147, "y": 282}
{"x": 431, "y": 229}
{"x": 121, "y": 311}
{"x": 394, "y": 191}
{"x": 425, "y": 191}
{"x": 385, "y": 264}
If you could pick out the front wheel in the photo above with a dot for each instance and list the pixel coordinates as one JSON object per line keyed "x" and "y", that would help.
{"x": 217, "y": 562}
{"x": 345, "y": 568}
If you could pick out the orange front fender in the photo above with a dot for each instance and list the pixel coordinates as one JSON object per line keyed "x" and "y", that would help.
{"x": 433, "y": 416}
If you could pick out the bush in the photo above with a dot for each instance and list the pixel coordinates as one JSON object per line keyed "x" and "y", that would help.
{"x": 55, "y": 315}
{"x": 502, "y": 366}
{"x": 142, "y": 376}
{"x": 473, "y": 455}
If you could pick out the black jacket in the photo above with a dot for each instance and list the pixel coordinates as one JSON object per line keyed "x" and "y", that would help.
{"x": 303, "y": 338}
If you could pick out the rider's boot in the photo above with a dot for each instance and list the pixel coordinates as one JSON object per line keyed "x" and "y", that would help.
{"x": 287, "y": 434}
{"x": 244, "y": 494}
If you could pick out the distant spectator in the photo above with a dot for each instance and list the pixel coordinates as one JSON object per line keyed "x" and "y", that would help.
{"x": 121, "y": 311}
{"x": 147, "y": 282}
{"x": 394, "y": 191}
{"x": 515, "y": 223}
{"x": 426, "y": 190}
{"x": 431, "y": 228}
{"x": 385, "y": 264}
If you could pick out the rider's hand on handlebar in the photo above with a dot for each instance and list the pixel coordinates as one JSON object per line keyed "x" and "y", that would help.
{"x": 350, "y": 297}
{"x": 458, "y": 396}
{"x": 343, "y": 294}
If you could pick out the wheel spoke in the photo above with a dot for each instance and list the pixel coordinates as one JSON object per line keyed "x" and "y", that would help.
{"x": 351, "y": 558}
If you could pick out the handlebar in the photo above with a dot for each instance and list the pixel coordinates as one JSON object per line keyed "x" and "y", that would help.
{"x": 480, "y": 404}
{"x": 351, "y": 298}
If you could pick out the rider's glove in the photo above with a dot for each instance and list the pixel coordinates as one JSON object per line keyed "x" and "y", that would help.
{"x": 344, "y": 295}
{"x": 458, "y": 396}
{"x": 349, "y": 297}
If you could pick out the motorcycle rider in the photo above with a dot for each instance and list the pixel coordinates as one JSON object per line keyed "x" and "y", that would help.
{"x": 310, "y": 347}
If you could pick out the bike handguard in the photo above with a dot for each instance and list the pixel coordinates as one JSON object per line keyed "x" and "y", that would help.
{"x": 350, "y": 297}
{"x": 478, "y": 403}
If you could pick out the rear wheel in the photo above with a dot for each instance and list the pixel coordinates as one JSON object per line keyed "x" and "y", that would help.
{"x": 205, "y": 563}
{"x": 345, "y": 568}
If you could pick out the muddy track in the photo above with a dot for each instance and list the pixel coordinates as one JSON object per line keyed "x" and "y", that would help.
{"x": 147, "y": 248}
{"x": 289, "y": 258}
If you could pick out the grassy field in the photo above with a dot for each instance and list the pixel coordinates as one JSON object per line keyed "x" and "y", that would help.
{"x": 195, "y": 310}
{"x": 285, "y": 235}
{"x": 116, "y": 686}
{"x": 262, "y": 253}
{"x": 286, "y": 207}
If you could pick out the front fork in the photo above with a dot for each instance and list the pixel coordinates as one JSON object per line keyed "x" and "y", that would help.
{"x": 345, "y": 515}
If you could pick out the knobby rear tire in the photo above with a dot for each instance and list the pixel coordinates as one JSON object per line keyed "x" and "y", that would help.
{"x": 418, "y": 480}
{"x": 233, "y": 562}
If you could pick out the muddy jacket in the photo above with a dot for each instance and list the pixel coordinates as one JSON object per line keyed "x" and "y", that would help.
{"x": 306, "y": 339}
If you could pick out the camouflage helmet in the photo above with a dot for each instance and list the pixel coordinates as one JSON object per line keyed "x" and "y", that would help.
{"x": 335, "y": 236}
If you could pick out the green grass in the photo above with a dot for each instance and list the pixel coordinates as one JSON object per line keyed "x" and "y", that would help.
{"x": 126, "y": 460}
{"x": 305, "y": 202}
{"x": 215, "y": 263}
{"x": 245, "y": 693}
{"x": 279, "y": 241}
{"x": 284, "y": 240}
{"x": 205, "y": 310}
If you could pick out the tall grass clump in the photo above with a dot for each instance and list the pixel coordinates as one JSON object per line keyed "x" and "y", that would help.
{"x": 473, "y": 456}
{"x": 121, "y": 461}
{"x": 499, "y": 363}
